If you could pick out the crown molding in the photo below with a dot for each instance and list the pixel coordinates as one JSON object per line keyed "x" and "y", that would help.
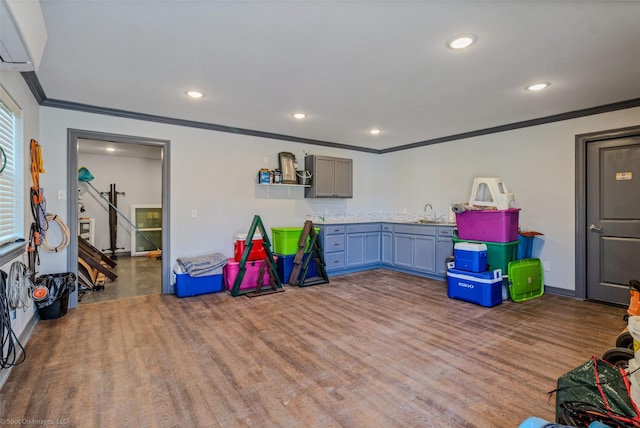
{"x": 38, "y": 93}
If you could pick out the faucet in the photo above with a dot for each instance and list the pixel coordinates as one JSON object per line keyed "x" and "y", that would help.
{"x": 433, "y": 212}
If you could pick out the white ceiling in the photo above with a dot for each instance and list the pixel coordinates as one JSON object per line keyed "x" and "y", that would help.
{"x": 350, "y": 65}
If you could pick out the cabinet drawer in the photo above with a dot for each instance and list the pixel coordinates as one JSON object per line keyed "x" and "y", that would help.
{"x": 445, "y": 231}
{"x": 415, "y": 229}
{"x": 333, "y": 230}
{"x": 334, "y": 261}
{"x": 387, "y": 228}
{"x": 334, "y": 243}
{"x": 363, "y": 228}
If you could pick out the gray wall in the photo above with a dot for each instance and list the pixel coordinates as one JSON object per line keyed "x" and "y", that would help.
{"x": 14, "y": 84}
{"x": 141, "y": 181}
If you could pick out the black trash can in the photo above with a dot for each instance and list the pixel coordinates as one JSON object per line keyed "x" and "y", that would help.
{"x": 56, "y": 309}
{"x": 56, "y": 302}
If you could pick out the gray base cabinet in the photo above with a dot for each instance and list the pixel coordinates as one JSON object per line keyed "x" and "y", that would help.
{"x": 414, "y": 248}
{"x": 350, "y": 247}
{"x": 333, "y": 244}
{"x": 411, "y": 248}
{"x": 363, "y": 245}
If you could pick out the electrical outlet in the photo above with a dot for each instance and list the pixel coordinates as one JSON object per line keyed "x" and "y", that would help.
{"x": 62, "y": 195}
{"x": 546, "y": 266}
{"x": 194, "y": 213}
{"x": 266, "y": 160}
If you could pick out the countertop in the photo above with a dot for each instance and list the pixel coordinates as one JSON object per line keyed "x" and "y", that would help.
{"x": 394, "y": 221}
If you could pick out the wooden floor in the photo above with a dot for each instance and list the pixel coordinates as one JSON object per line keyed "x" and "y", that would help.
{"x": 374, "y": 349}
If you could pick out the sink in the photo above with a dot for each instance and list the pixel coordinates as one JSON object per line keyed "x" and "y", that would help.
{"x": 426, "y": 221}
{"x": 429, "y": 221}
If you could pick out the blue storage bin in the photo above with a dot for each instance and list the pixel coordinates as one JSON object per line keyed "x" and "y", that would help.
{"x": 192, "y": 286}
{"x": 284, "y": 266}
{"x": 482, "y": 288}
{"x": 525, "y": 245}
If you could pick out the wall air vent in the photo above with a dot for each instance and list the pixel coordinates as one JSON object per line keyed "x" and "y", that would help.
{"x": 13, "y": 52}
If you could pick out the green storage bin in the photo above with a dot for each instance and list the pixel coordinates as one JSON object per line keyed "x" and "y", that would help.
{"x": 499, "y": 254}
{"x": 526, "y": 279}
{"x": 285, "y": 239}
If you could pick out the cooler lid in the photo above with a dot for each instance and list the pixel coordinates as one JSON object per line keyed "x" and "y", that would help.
{"x": 489, "y": 276}
{"x": 526, "y": 279}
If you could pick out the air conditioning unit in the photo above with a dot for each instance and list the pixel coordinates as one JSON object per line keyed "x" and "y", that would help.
{"x": 13, "y": 52}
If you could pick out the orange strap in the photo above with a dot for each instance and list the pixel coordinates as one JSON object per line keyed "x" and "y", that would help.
{"x": 36, "y": 167}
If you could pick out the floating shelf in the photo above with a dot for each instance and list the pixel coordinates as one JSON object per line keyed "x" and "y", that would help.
{"x": 283, "y": 185}
{"x": 290, "y": 189}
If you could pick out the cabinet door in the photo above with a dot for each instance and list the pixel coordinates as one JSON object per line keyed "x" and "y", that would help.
{"x": 403, "y": 250}
{"x": 363, "y": 249}
{"x": 372, "y": 248}
{"x": 445, "y": 249}
{"x": 355, "y": 249}
{"x": 424, "y": 258}
{"x": 387, "y": 242}
{"x": 323, "y": 176}
{"x": 344, "y": 178}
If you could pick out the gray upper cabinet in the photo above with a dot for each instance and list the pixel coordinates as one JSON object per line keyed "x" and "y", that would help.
{"x": 330, "y": 177}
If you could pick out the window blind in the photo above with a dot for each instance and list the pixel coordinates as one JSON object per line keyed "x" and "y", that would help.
{"x": 8, "y": 182}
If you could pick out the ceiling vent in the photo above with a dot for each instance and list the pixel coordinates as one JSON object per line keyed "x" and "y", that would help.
{"x": 13, "y": 52}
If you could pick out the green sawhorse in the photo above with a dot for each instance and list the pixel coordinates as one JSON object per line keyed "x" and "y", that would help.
{"x": 268, "y": 265}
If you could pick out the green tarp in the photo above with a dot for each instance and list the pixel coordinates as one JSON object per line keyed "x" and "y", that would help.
{"x": 596, "y": 391}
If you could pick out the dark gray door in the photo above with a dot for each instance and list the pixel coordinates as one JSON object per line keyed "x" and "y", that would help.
{"x": 613, "y": 218}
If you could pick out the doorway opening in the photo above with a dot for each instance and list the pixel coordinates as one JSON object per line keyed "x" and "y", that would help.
{"x": 118, "y": 210}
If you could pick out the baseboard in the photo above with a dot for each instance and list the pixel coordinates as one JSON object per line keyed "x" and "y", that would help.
{"x": 24, "y": 338}
{"x": 560, "y": 291}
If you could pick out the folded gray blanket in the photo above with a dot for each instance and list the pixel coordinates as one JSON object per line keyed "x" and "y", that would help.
{"x": 208, "y": 264}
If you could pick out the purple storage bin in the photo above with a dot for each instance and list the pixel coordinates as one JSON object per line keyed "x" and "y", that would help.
{"x": 488, "y": 225}
{"x": 250, "y": 279}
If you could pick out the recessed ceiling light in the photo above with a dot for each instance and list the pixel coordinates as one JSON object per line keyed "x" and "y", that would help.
{"x": 299, "y": 115}
{"x": 110, "y": 149}
{"x": 462, "y": 41}
{"x": 374, "y": 131}
{"x": 537, "y": 86}
{"x": 195, "y": 94}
